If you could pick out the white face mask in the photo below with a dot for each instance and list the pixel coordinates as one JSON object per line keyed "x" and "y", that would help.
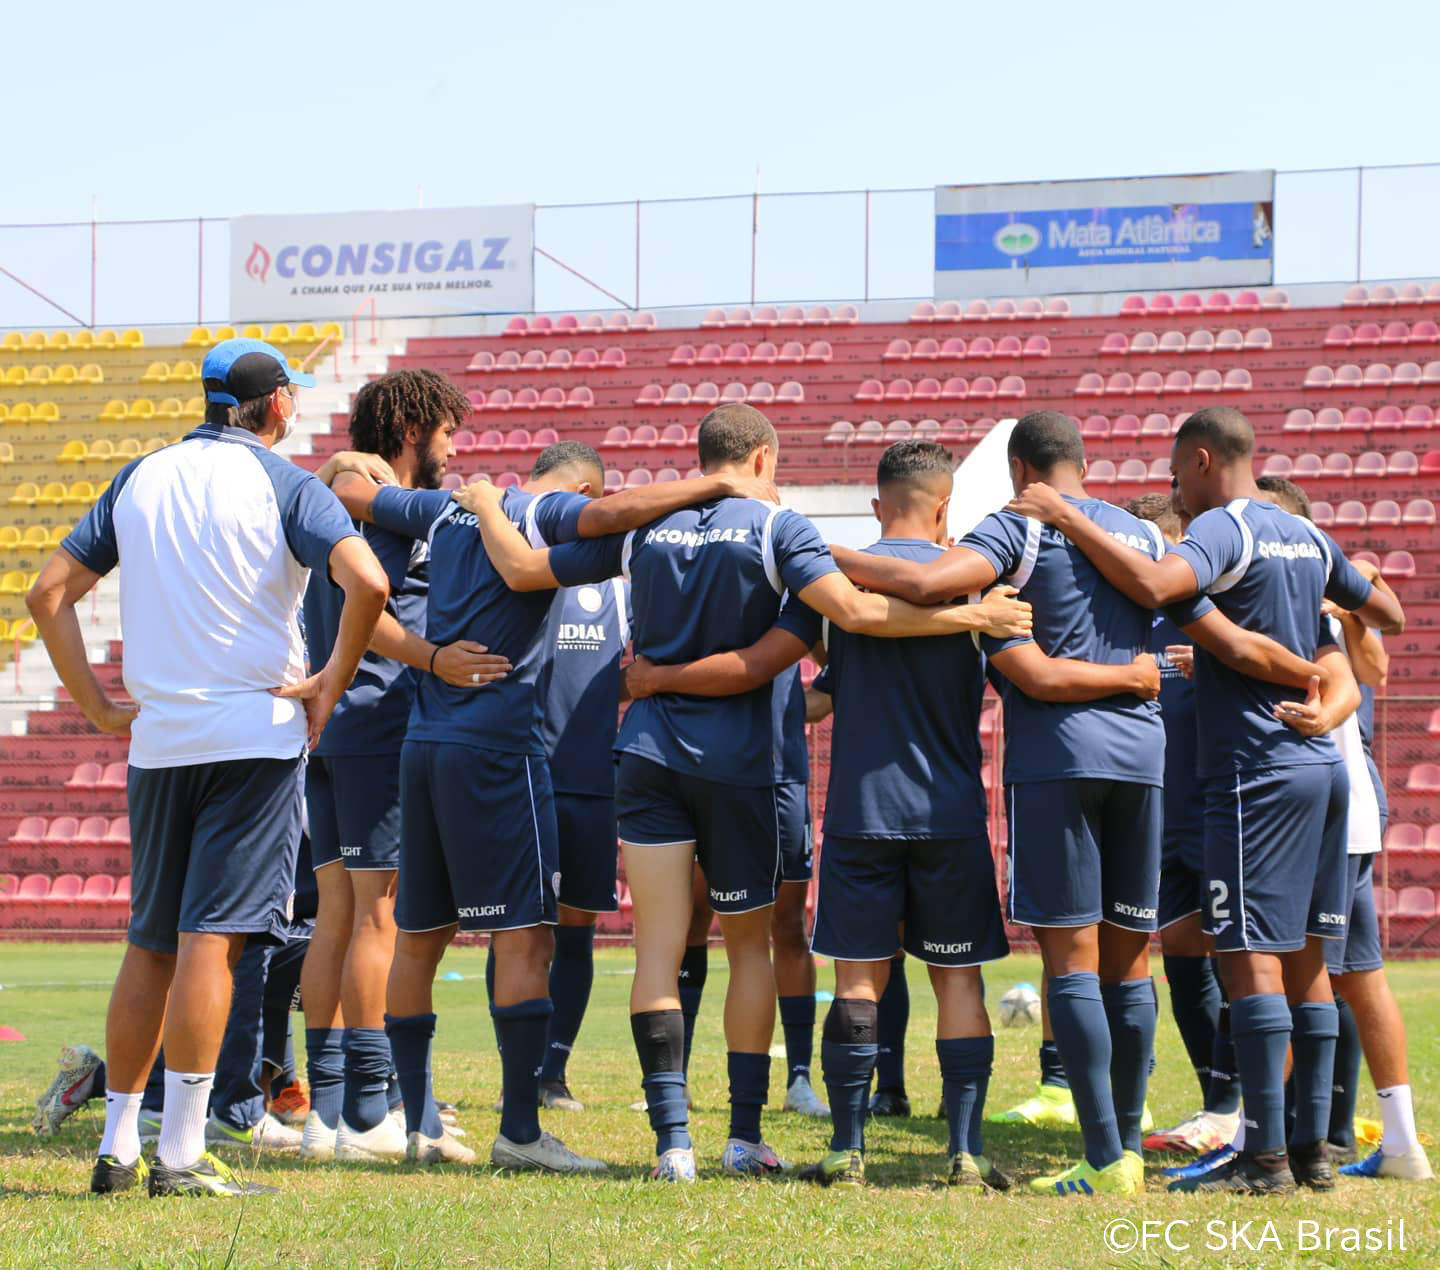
{"x": 287, "y": 425}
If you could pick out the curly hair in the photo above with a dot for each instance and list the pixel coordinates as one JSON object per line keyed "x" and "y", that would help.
{"x": 385, "y": 408}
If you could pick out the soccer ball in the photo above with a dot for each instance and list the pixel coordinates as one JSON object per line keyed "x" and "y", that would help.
{"x": 1020, "y": 1006}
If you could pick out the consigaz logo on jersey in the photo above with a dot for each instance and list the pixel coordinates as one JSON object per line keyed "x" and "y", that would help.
{"x": 483, "y": 910}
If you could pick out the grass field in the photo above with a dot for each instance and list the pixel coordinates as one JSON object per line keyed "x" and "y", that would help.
{"x": 357, "y": 1215}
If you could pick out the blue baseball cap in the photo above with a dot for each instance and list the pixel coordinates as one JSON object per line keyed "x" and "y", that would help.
{"x": 241, "y": 370}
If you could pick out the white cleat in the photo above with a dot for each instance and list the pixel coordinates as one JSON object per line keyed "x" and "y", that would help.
{"x": 803, "y": 1099}
{"x": 72, "y": 1088}
{"x": 442, "y": 1150}
{"x": 676, "y": 1165}
{"x": 386, "y": 1141}
{"x": 546, "y": 1153}
{"x": 268, "y": 1134}
{"x": 750, "y": 1159}
{"x": 1411, "y": 1166}
{"x": 317, "y": 1142}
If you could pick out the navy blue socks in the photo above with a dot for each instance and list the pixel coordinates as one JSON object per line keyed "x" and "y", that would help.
{"x": 1223, "y": 1094}
{"x": 325, "y": 1069}
{"x": 1052, "y": 1067}
{"x": 1195, "y": 1003}
{"x": 1316, "y": 1026}
{"x": 1130, "y": 1012}
{"x": 1260, "y": 1026}
{"x": 891, "y": 1024}
{"x": 965, "y": 1065}
{"x": 848, "y": 1054}
{"x": 749, "y": 1088}
{"x": 694, "y": 967}
{"x": 367, "y": 1077}
{"x": 797, "y": 1019}
{"x": 1346, "y": 1084}
{"x": 660, "y": 1045}
{"x": 521, "y": 1028}
{"x": 572, "y": 973}
{"x": 410, "y": 1036}
{"x": 1082, "y": 1035}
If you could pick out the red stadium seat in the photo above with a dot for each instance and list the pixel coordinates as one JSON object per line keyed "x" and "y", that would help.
{"x": 734, "y": 392}
{"x": 1237, "y": 379}
{"x": 1405, "y": 838}
{"x": 842, "y": 432}
{"x": 587, "y": 358}
{"x": 792, "y": 392}
{"x": 30, "y": 831}
{"x": 1430, "y": 373}
{"x": 546, "y": 437}
{"x": 792, "y": 315}
{"x": 674, "y": 435}
{"x": 1384, "y": 295}
{"x": 982, "y": 347}
{"x": 491, "y": 441}
{"x": 1388, "y": 419}
{"x": 713, "y": 318}
{"x": 476, "y": 398}
{"x": 1356, "y": 295}
{"x": 1095, "y": 428}
{"x": 1178, "y": 382}
{"x": 1008, "y": 346}
{"x": 1415, "y": 901}
{"x": 1125, "y": 428}
{"x": 1367, "y": 335}
{"x": 637, "y": 477}
{"x": 1031, "y": 309}
{"x": 499, "y": 399}
{"x": 66, "y": 887}
{"x": 1159, "y": 470}
{"x": 1339, "y": 336}
{"x": 713, "y": 354}
{"x": 579, "y": 398}
{"x": 1207, "y": 381}
{"x": 1319, "y": 377}
{"x": 927, "y": 389}
{"x": 923, "y": 312}
{"x": 1090, "y": 384}
{"x": 1425, "y": 332}
{"x": 1430, "y": 463}
{"x": 1101, "y": 472}
{"x": 1120, "y": 384}
{"x": 870, "y": 432}
{"x": 517, "y": 441}
{"x": 650, "y": 395}
{"x": 98, "y": 886}
{"x": 1407, "y": 375}
{"x": 1402, "y": 463}
{"x": 870, "y": 390}
{"x": 645, "y": 437}
{"x": 1115, "y": 344}
{"x": 896, "y": 351}
{"x": 706, "y": 394}
{"x": 1163, "y": 304}
{"x": 1275, "y": 299}
{"x": 1377, "y": 375}
{"x": 1218, "y": 302}
{"x": 977, "y": 311}
{"x": 62, "y": 830}
{"x": 1350, "y": 514}
{"x": 1299, "y": 420}
{"x": 1246, "y": 302}
{"x": 482, "y": 363}
{"x": 613, "y": 358}
{"x": 1133, "y": 304}
{"x": 764, "y": 353}
{"x": 897, "y": 430}
{"x": 819, "y": 353}
{"x": 464, "y": 442}
{"x": 552, "y": 399}
{"x": 1171, "y": 343}
{"x": 1132, "y": 471}
{"x": 34, "y": 887}
{"x": 1308, "y": 466}
{"x": 534, "y": 359}
{"x": 617, "y": 437}
{"x": 614, "y": 481}
{"x": 1277, "y": 465}
{"x": 1395, "y": 333}
{"x": 1419, "y": 511}
{"x": 678, "y": 395}
{"x": 952, "y": 349}
{"x": 85, "y": 776}
{"x": 956, "y": 388}
{"x": 1003, "y": 310}
{"x": 1385, "y": 514}
{"x": 1036, "y": 346}
{"x": 948, "y": 311}
{"x": 1011, "y": 387}
{"x": 1149, "y": 383}
{"x": 792, "y": 352}
{"x": 1155, "y": 425}
{"x": 1057, "y": 308}
{"x": 845, "y": 315}
{"x": 898, "y": 390}
{"x": 1229, "y": 341}
{"x": 1329, "y": 419}
{"x": 1370, "y": 465}
{"x": 983, "y": 388}
{"x": 526, "y": 399}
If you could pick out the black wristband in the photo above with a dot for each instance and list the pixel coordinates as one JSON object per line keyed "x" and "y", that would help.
{"x": 433, "y": 656}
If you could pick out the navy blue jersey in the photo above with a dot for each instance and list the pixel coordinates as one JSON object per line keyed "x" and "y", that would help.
{"x": 1184, "y": 790}
{"x": 787, "y": 706}
{"x": 710, "y": 579}
{"x": 905, "y": 750}
{"x": 1081, "y": 617}
{"x": 1365, "y": 716}
{"x": 1267, "y": 571}
{"x": 468, "y": 599}
{"x": 589, "y": 629}
{"x": 372, "y": 715}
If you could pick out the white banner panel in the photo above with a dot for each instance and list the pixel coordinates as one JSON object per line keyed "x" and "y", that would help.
{"x": 414, "y": 263}
{"x": 1126, "y": 234}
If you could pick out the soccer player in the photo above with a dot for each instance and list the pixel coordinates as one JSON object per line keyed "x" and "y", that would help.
{"x": 477, "y": 759}
{"x": 1197, "y": 998}
{"x": 217, "y": 535}
{"x": 696, "y": 776}
{"x": 407, "y": 419}
{"x": 1274, "y": 812}
{"x": 589, "y": 631}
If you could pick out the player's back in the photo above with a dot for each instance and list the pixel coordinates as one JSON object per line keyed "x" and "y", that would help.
{"x": 705, "y": 580}
{"x": 905, "y": 747}
{"x": 1184, "y": 792}
{"x": 1078, "y": 615}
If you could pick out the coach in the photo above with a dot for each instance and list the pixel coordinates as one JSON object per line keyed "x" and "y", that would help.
{"x": 217, "y": 536}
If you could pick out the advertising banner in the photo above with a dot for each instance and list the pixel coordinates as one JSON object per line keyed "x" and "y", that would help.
{"x": 1128, "y": 234}
{"x": 414, "y": 263}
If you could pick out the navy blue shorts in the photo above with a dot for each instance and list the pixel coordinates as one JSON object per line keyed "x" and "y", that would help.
{"x": 734, "y": 828}
{"x": 1085, "y": 851}
{"x": 477, "y": 840}
{"x": 212, "y": 849}
{"x": 589, "y": 845}
{"x": 1182, "y": 877}
{"x": 1359, "y": 951}
{"x": 942, "y": 889}
{"x": 354, "y": 806}
{"x": 797, "y": 841}
{"x": 1275, "y": 862}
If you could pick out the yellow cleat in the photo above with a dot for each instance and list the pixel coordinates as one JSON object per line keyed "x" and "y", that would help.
{"x": 1126, "y": 1176}
{"x": 1050, "y": 1107}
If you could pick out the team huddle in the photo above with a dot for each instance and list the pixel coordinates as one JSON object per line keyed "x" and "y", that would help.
{"x": 1184, "y": 688}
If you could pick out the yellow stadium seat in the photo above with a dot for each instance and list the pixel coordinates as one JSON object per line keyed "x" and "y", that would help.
{"x": 12, "y": 583}
{"x": 155, "y": 443}
{"x": 224, "y": 333}
{"x": 331, "y": 330}
{"x": 59, "y": 534}
{"x": 280, "y": 333}
{"x": 101, "y": 488}
{"x": 194, "y": 408}
{"x": 24, "y": 494}
{"x": 36, "y": 536}
{"x": 83, "y": 339}
{"x": 24, "y": 630}
{"x": 155, "y": 373}
{"x": 90, "y": 373}
{"x": 16, "y": 375}
{"x": 113, "y": 410}
{"x": 102, "y": 451}
{"x": 57, "y": 340}
{"x": 184, "y": 373}
{"x": 306, "y": 333}
{"x": 40, "y": 375}
{"x": 200, "y": 337}
{"x": 47, "y": 412}
{"x": 142, "y": 409}
{"x": 252, "y": 333}
{"x": 4, "y": 631}
{"x": 9, "y": 538}
{"x": 66, "y": 374}
{"x": 4, "y": 412}
{"x": 131, "y": 339}
{"x": 22, "y": 412}
{"x": 106, "y": 339}
{"x": 73, "y": 452}
{"x": 35, "y": 341}
{"x": 80, "y": 494}
{"x": 127, "y": 449}
{"x": 169, "y": 408}
{"x": 52, "y": 494}
{"x": 12, "y": 342}
{"x": 7, "y": 452}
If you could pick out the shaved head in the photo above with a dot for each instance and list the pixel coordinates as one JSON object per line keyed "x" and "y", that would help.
{"x": 1223, "y": 431}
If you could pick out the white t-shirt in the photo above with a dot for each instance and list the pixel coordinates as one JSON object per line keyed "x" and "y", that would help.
{"x": 1363, "y": 832}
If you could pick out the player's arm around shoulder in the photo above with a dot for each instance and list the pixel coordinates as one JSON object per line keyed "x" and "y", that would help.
{"x": 1060, "y": 679}
{"x": 1330, "y": 697}
{"x": 1249, "y": 652}
{"x": 958, "y": 571}
{"x": 721, "y": 674}
{"x": 867, "y": 613}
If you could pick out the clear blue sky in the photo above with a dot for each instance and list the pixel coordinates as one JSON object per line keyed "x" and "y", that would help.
{"x": 172, "y": 109}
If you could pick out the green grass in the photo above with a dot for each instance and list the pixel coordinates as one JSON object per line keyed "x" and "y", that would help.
{"x": 347, "y": 1215}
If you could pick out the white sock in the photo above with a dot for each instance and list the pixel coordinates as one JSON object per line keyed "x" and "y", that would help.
{"x": 122, "y": 1126}
{"x": 182, "y": 1130}
{"x": 1397, "y": 1112}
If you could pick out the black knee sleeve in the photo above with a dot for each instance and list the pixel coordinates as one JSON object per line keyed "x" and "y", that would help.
{"x": 659, "y": 1041}
{"x": 851, "y": 1021}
